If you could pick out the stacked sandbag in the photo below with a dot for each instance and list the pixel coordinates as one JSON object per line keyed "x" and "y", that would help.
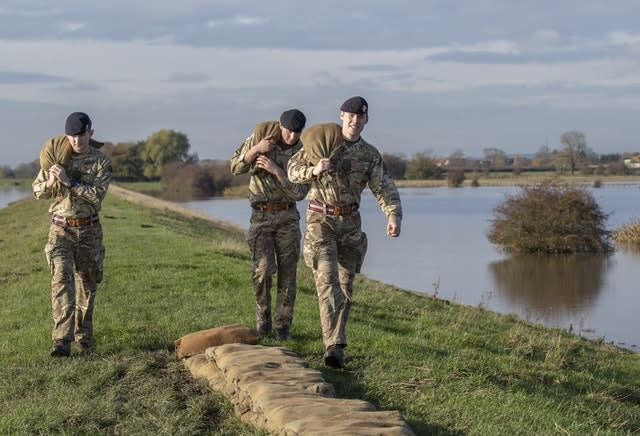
{"x": 274, "y": 389}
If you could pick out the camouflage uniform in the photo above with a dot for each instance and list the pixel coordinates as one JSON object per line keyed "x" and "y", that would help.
{"x": 73, "y": 294}
{"x": 334, "y": 245}
{"x": 274, "y": 236}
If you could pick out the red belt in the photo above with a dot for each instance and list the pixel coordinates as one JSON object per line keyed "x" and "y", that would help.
{"x": 272, "y": 207}
{"x": 74, "y": 222}
{"x": 333, "y": 209}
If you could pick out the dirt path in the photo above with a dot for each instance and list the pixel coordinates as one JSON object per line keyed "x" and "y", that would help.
{"x": 156, "y": 203}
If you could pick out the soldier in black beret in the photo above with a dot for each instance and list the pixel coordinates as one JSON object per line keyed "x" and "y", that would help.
{"x": 75, "y": 176}
{"x": 274, "y": 232}
{"x": 334, "y": 243}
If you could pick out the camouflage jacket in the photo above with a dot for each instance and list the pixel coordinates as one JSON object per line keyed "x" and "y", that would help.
{"x": 264, "y": 186}
{"x": 355, "y": 166}
{"x": 90, "y": 174}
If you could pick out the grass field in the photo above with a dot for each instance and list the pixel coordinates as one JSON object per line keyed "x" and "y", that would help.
{"x": 449, "y": 369}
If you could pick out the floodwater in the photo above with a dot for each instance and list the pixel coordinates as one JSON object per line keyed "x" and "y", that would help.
{"x": 443, "y": 250}
{"x": 12, "y": 193}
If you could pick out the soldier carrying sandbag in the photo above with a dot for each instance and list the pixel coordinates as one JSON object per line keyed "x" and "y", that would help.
{"x": 274, "y": 231}
{"x": 75, "y": 175}
{"x": 338, "y": 164}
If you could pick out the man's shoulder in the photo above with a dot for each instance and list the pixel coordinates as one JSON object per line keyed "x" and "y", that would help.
{"x": 98, "y": 154}
{"x": 366, "y": 147}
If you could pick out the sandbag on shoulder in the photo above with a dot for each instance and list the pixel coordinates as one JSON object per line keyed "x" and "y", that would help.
{"x": 320, "y": 141}
{"x": 269, "y": 130}
{"x": 57, "y": 150}
{"x": 197, "y": 342}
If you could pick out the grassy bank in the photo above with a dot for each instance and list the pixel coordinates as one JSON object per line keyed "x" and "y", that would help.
{"x": 449, "y": 369}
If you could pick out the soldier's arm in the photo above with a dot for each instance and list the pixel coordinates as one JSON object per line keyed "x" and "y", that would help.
{"x": 238, "y": 163}
{"x": 384, "y": 189}
{"x": 93, "y": 193}
{"x": 296, "y": 191}
{"x": 299, "y": 170}
{"x": 42, "y": 184}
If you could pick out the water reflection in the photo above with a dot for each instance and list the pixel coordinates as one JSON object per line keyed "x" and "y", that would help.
{"x": 632, "y": 248}
{"x": 562, "y": 283}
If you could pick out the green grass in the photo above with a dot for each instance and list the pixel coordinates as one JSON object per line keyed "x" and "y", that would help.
{"x": 449, "y": 369}
{"x": 23, "y": 183}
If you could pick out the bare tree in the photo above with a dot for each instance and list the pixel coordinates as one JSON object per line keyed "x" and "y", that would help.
{"x": 575, "y": 149}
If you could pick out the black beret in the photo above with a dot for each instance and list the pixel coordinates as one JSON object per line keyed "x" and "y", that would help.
{"x": 77, "y": 124}
{"x": 355, "y": 105}
{"x": 293, "y": 120}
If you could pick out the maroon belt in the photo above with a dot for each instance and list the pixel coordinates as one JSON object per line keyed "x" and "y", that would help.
{"x": 74, "y": 222}
{"x": 333, "y": 209}
{"x": 272, "y": 207}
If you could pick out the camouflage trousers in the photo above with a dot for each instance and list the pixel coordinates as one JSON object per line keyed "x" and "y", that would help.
{"x": 274, "y": 241}
{"x": 334, "y": 248}
{"x": 73, "y": 292}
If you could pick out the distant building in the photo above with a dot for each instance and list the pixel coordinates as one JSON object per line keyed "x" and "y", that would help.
{"x": 633, "y": 162}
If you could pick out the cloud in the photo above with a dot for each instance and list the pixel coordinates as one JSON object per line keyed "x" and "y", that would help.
{"x": 193, "y": 78}
{"x": 72, "y": 27}
{"x": 624, "y": 38}
{"x": 240, "y": 20}
{"x": 16, "y": 77}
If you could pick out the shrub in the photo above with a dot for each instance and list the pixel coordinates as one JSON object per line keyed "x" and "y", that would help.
{"x": 628, "y": 232}
{"x": 455, "y": 177}
{"x": 421, "y": 167}
{"x": 185, "y": 181}
{"x": 550, "y": 218}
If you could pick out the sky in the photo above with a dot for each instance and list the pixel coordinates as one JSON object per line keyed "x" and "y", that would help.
{"x": 440, "y": 76}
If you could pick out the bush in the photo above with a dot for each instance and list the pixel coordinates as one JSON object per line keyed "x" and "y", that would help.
{"x": 421, "y": 167}
{"x": 550, "y": 218}
{"x": 455, "y": 177}
{"x": 628, "y": 232}
{"x": 185, "y": 181}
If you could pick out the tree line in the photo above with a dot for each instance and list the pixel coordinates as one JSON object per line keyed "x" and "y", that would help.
{"x": 164, "y": 156}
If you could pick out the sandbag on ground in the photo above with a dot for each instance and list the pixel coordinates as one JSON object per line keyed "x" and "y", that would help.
{"x": 198, "y": 342}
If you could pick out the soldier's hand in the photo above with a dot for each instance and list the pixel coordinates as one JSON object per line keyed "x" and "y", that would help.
{"x": 58, "y": 172}
{"x": 265, "y": 145}
{"x": 323, "y": 165}
{"x": 393, "y": 226}
{"x": 269, "y": 165}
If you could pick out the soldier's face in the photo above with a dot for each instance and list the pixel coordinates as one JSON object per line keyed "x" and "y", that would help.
{"x": 80, "y": 143}
{"x": 289, "y": 137}
{"x": 352, "y": 124}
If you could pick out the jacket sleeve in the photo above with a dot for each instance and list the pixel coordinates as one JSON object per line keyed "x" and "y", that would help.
{"x": 94, "y": 193}
{"x": 299, "y": 170}
{"x": 238, "y": 165}
{"x": 384, "y": 189}
{"x": 39, "y": 186}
